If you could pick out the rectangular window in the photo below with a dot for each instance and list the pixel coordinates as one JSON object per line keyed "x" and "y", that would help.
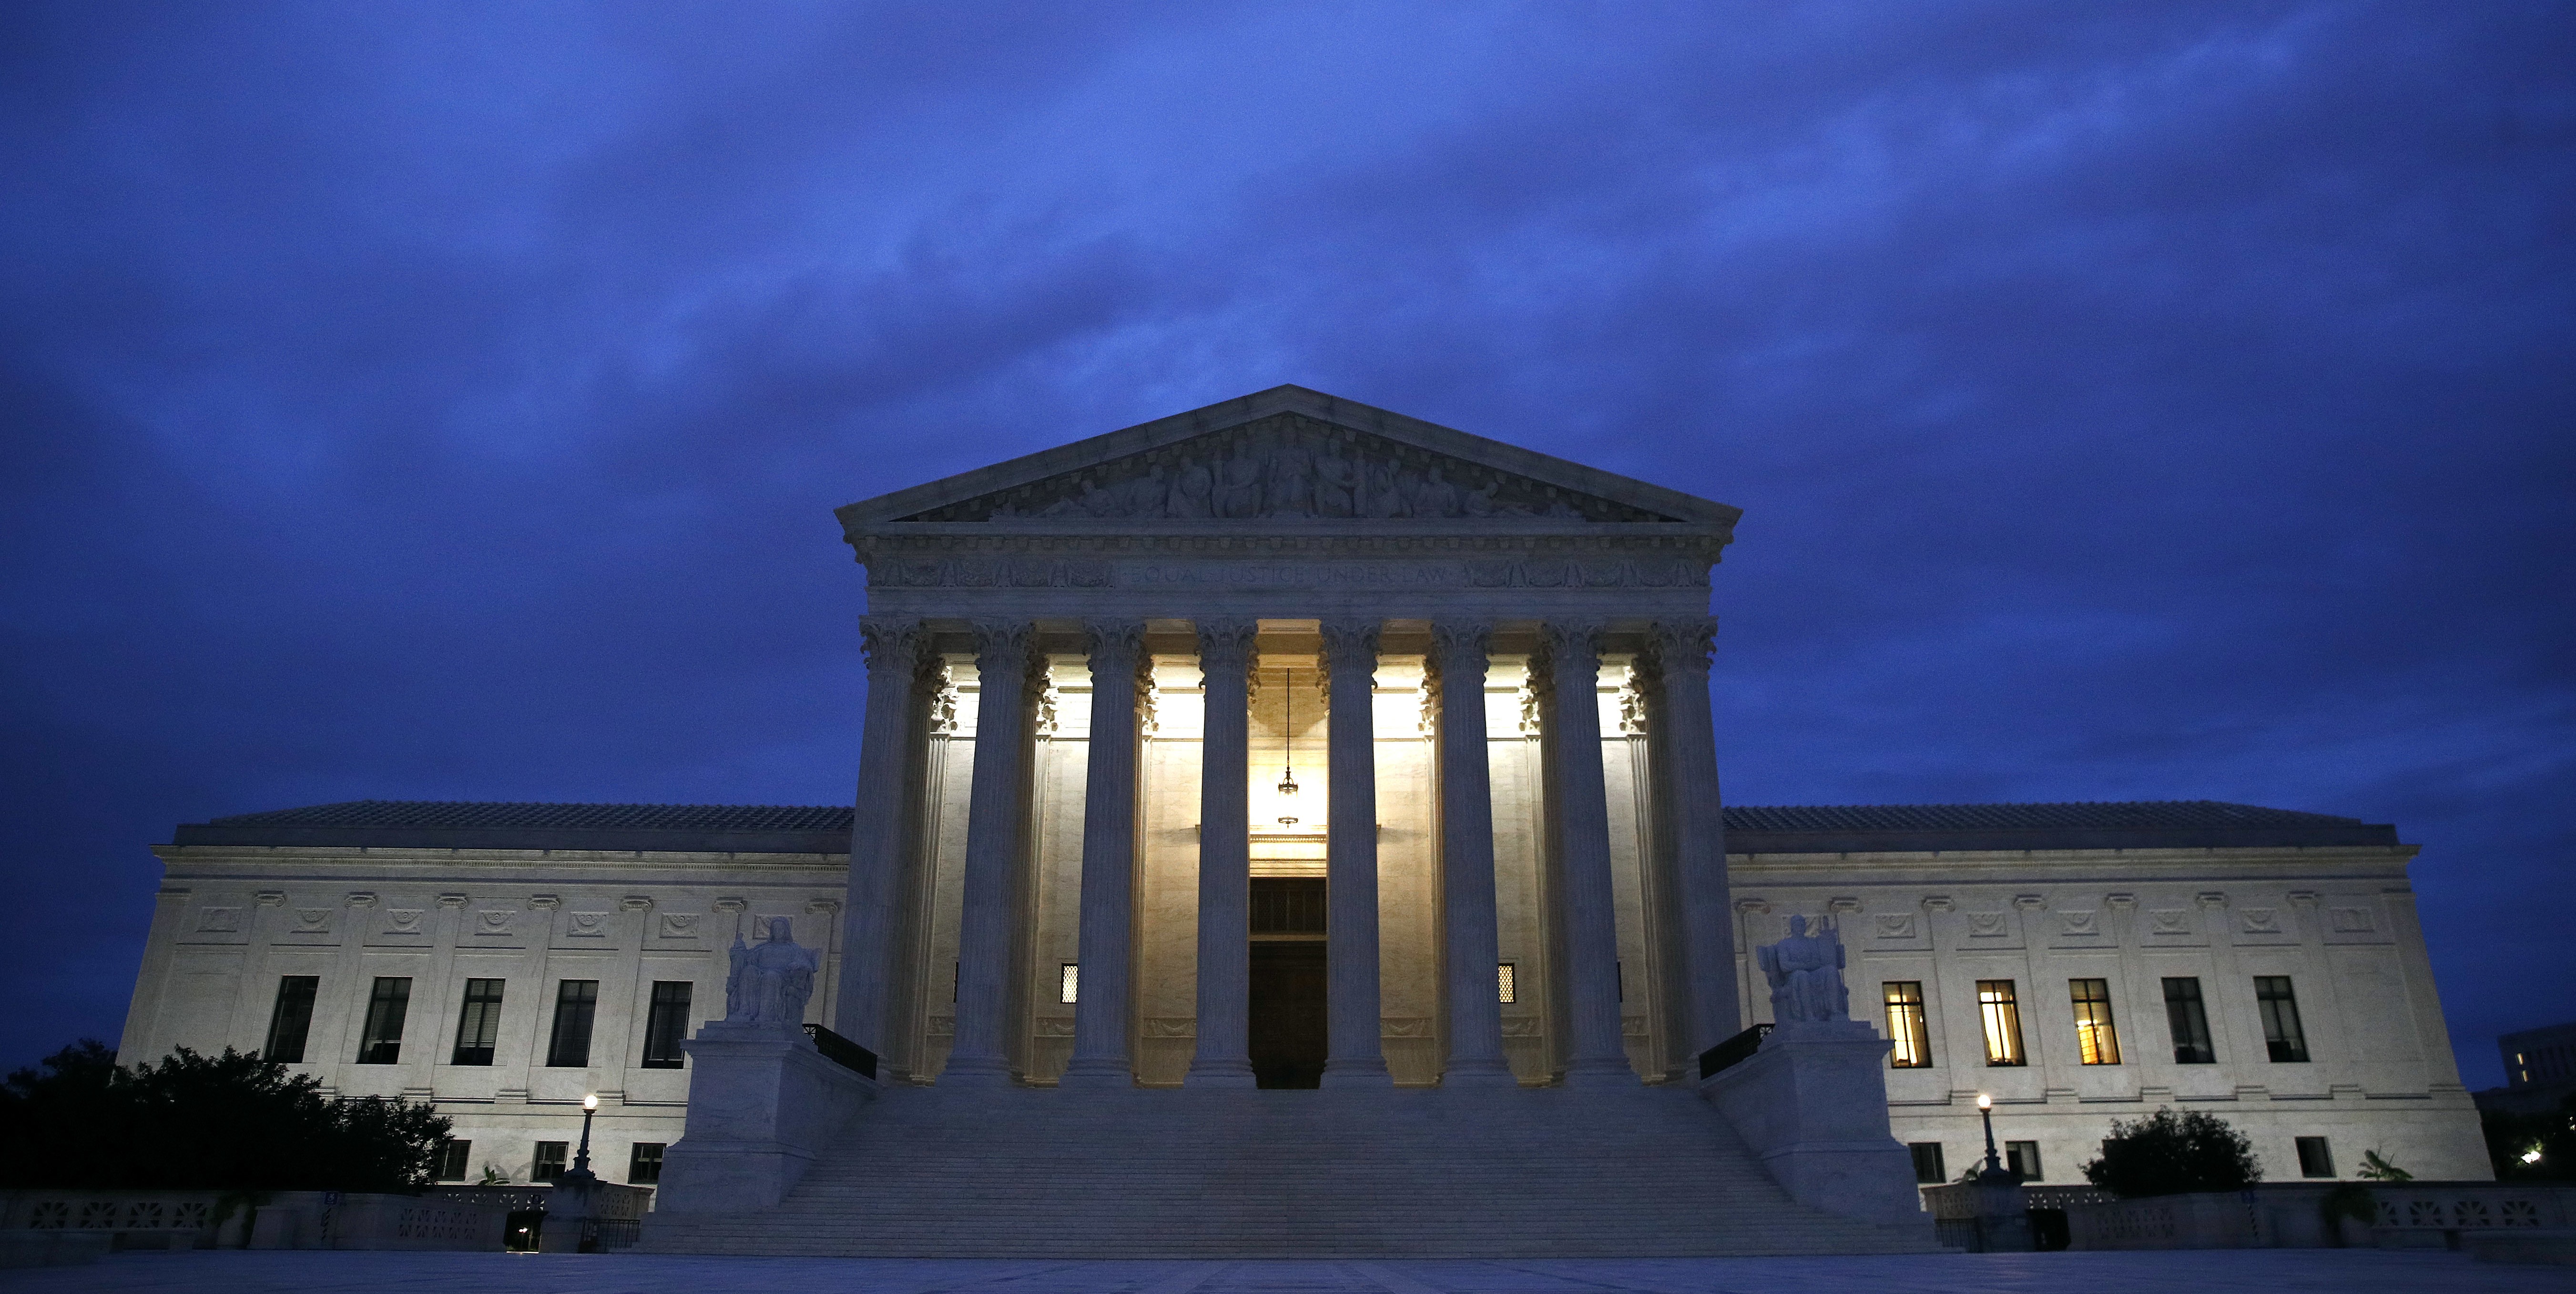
{"x": 1507, "y": 982}
{"x": 2316, "y": 1159}
{"x": 550, "y": 1161}
{"x": 644, "y": 1166}
{"x": 1927, "y": 1161}
{"x": 2001, "y": 1016}
{"x": 1913, "y": 1049}
{"x": 576, "y": 1000}
{"x": 1069, "y": 982}
{"x": 381, "y": 1044}
{"x": 478, "y": 1027}
{"x": 2189, "y": 1021}
{"x": 2022, "y": 1157}
{"x": 292, "y": 1018}
{"x": 666, "y": 1024}
{"x": 2097, "y": 1041}
{"x": 2280, "y": 1008}
{"x": 453, "y": 1159}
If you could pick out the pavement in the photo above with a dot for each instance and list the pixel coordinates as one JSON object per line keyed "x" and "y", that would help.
{"x": 2271, "y": 1271}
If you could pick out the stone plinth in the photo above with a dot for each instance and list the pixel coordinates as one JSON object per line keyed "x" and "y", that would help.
{"x": 1812, "y": 1105}
{"x": 762, "y": 1105}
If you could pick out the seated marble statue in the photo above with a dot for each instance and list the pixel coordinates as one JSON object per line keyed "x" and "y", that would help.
{"x": 770, "y": 980}
{"x": 1806, "y": 975}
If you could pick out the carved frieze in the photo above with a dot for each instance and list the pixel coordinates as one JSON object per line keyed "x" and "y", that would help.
{"x": 219, "y": 920}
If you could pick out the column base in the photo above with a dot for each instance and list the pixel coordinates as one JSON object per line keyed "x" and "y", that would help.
{"x": 1097, "y": 1074}
{"x": 1478, "y": 1073}
{"x": 1601, "y": 1072}
{"x": 1363, "y": 1071}
{"x": 1220, "y": 1073}
{"x": 975, "y": 1071}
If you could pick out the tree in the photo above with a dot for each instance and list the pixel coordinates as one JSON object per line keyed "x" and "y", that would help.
{"x": 2168, "y": 1154}
{"x": 232, "y": 1122}
{"x": 2532, "y": 1147}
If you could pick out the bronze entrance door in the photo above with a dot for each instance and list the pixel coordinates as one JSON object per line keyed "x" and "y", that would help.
{"x": 1287, "y": 1017}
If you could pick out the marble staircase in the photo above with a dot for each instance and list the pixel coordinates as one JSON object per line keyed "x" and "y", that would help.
{"x": 1042, "y": 1173}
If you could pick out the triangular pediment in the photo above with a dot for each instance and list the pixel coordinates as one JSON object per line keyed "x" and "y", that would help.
{"x": 1284, "y": 456}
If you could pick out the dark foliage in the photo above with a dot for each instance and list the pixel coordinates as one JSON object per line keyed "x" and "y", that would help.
{"x": 232, "y": 1122}
{"x": 2511, "y": 1136}
{"x": 2168, "y": 1154}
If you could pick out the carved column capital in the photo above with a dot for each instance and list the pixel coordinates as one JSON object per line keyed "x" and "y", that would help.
{"x": 1001, "y": 648}
{"x": 1115, "y": 646}
{"x": 1574, "y": 643}
{"x": 1226, "y": 645}
{"x": 1351, "y": 644}
{"x": 1683, "y": 646}
{"x": 893, "y": 645}
{"x": 1461, "y": 645}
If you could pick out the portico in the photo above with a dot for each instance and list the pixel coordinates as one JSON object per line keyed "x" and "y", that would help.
{"x": 1482, "y": 670}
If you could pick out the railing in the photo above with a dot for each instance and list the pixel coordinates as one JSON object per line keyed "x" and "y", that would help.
{"x": 1729, "y": 1052}
{"x": 843, "y": 1052}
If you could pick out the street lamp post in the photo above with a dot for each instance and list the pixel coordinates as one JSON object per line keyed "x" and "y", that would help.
{"x": 1994, "y": 1170}
{"x": 2003, "y": 1216}
{"x": 571, "y": 1224}
{"x": 580, "y": 1176}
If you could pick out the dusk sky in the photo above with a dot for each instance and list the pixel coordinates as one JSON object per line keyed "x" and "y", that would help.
{"x": 2126, "y": 401}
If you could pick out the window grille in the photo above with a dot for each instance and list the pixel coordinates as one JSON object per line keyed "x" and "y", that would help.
{"x": 576, "y": 1002}
{"x": 2097, "y": 1040}
{"x": 2001, "y": 1015}
{"x": 1069, "y": 983}
{"x": 2189, "y": 1021}
{"x": 666, "y": 1024}
{"x": 2280, "y": 1009}
{"x": 1507, "y": 983}
{"x": 1904, "y": 999}
{"x": 478, "y": 1026}
{"x": 381, "y": 1044}
{"x": 291, "y": 1020}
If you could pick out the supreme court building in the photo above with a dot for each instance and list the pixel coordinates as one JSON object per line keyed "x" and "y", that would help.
{"x": 1291, "y": 742}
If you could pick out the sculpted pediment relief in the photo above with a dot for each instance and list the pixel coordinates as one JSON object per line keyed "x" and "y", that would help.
{"x": 1287, "y": 467}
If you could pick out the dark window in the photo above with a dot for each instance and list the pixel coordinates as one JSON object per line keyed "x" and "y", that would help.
{"x": 1904, "y": 998}
{"x": 2316, "y": 1159}
{"x": 2189, "y": 1021}
{"x": 644, "y": 1167}
{"x": 453, "y": 1156}
{"x": 1287, "y": 905}
{"x": 2001, "y": 1015}
{"x": 2022, "y": 1157}
{"x": 386, "y": 1007}
{"x": 2280, "y": 1010}
{"x": 1927, "y": 1161}
{"x": 479, "y": 1026}
{"x": 2097, "y": 1041}
{"x": 292, "y": 1018}
{"x": 576, "y": 1000}
{"x": 666, "y": 1024}
{"x": 550, "y": 1161}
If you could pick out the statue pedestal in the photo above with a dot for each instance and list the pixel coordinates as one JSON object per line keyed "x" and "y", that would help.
{"x": 1812, "y": 1105}
{"x": 763, "y": 1105}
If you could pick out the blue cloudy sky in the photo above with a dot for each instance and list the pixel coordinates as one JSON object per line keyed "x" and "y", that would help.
{"x": 2126, "y": 401}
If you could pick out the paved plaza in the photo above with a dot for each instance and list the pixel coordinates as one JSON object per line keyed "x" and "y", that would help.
{"x": 2273, "y": 1271}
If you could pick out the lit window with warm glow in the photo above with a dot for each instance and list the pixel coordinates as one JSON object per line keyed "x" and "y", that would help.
{"x": 1072, "y": 979}
{"x": 1913, "y": 1048}
{"x": 2000, "y": 1013}
{"x": 1503, "y": 983}
{"x": 2096, "y": 1039}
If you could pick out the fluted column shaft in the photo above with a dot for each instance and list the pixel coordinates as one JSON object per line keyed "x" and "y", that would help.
{"x": 1223, "y": 1058}
{"x": 1580, "y": 810}
{"x": 889, "y": 744}
{"x": 1698, "y": 819}
{"x": 1353, "y": 1056}
{"x": 1100, "y": 1056}
{"x": 1470, "y": 948}
{"x": 996, "y": 822}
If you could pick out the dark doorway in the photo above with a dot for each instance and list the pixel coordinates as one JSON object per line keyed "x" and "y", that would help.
{"x": 1287, "y": 1018}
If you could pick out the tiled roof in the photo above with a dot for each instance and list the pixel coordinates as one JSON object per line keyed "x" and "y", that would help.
{"x": 754, "y": 828}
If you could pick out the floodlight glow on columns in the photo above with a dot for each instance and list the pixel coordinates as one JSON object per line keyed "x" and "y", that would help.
{"x": 1288, "y": 752}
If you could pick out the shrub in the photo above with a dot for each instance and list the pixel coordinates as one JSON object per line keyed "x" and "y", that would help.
{"x": 2168, "y": 1154}
{"x": 232, "y": 1122}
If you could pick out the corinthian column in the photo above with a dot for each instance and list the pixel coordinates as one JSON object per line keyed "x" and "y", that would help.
{"x": 1470, "y": 947}
{"x": 1225, "y": 857}
{"x": 1354, "y": 1057}
{"x": 1579, "y": 816}
{"x": 996, "y": 822}
{"x": 1100, "y": 1058}
{"x": 888, "y": 746}
{"x": 1699, "y": 829}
